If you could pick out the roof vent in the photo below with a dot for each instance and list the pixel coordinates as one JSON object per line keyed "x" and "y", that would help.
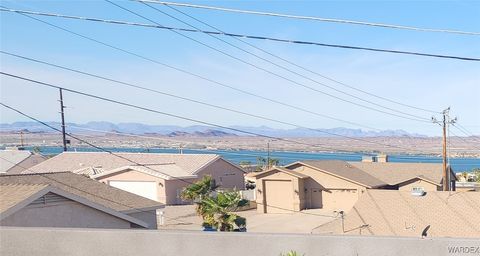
{"x": 418, "y": 191}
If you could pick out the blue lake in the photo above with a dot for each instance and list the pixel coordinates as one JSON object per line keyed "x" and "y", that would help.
{"x": 458, "y": 164}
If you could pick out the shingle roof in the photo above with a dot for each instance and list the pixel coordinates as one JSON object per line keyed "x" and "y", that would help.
{"x": 10, "y": 159}
{"x": 395, "y": 173}
{"x": 344, "y": 170}
{"x": 74, "y": 161}
{"x": 90, "y": 189}
{"x": 13, "y": 194}
{"x": 281, "y": 169}
{"x": 164, "y": 171}
{"x": 398, "y": 213}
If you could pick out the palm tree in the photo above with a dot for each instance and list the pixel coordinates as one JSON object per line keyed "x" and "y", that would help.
{"x": 219, "y": 210}
{"x": 196, "y": 192}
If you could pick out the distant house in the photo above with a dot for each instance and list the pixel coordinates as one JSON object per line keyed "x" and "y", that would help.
{"x": 337, "y": 185}
{"x": 401, "y": 213}
{"x": 160, "y": 177}
{"x": 72, "y": 201}
{"x": 13, "y": 161}
{"x": 406, "y": 176}
{"x": 334, "y": 184}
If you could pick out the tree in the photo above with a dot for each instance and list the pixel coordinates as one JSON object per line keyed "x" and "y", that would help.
{"x": 197, "y": 191}
{"x": 219, "y": 211}
{"x": 264, "y": 164}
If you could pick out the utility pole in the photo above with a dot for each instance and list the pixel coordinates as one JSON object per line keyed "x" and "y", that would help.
{"x": 444, "y": 123}
{"x": 62, "y": 107}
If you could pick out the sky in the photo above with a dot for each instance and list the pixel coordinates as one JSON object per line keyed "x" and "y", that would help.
{"x": 429, "y": 83}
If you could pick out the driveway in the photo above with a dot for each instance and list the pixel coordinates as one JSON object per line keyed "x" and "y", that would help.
{"x": 183, "y": 217}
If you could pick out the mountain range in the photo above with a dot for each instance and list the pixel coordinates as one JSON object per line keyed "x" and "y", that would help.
{"x": 199, "y": 130}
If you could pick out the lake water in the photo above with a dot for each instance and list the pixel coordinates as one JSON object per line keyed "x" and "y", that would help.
{"x": 458, "y": 164}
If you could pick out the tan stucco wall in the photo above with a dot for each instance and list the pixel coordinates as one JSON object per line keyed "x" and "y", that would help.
{"x": 427, "y": 186}
{"x": 324, "y": 181}
{"x": 63, "y": 214}
{"x": 297, "y": 189}
{"x": 225, "y": 174}
{"x": 131, "y": 175}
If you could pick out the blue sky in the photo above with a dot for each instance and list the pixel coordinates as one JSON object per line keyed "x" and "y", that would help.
{"x": 425, "y": 82}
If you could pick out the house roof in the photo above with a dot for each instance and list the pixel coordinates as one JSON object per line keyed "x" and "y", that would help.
{"x": 395, "y": 173}
{"x": 85, "y": 187}
{"x": 16, "y": 196}
{"x": 10, "y": 159}
{"x": 13, "y": 194}
{"x": 343, "y": 170}
{"x": 398, "y": 213}
{"x": 281, "y": 169}
{"x": 104, "y": 161}
{"x": 165, "y": 171}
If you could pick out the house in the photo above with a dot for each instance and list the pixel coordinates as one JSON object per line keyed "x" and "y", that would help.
{"x": 467, "y": 186}
{"x": 337, "y": 185}
{"x": 160, "y": 177}
{"x": 65, "y": 199}
{"x": 331, "y": 184}
{"x": 402, "y": 213}
{"x": 13, "y": 160}
{"x": 406, "y": 176}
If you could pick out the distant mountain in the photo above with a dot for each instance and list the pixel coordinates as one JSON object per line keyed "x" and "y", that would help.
{"x": 201, "y": 131}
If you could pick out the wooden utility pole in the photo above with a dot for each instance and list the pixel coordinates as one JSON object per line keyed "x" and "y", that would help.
{"x": 62, "y": 107}
{"x": 445, "y": 168}
{"x": 446, "y": 185}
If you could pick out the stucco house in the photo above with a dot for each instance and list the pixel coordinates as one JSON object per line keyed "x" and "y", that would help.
{"x": 159, "y": 177}
{"x": 13, "y": 160}
{"x": 337, "y": 185}
{"x": 406, "y": 176}
{"x": 401, "y": 213}
{"x": 332, "y": 184}
{"x": 72, "y": 201}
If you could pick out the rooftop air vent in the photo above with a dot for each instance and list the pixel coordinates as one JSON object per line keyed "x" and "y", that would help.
{"x": 418, "y": 191}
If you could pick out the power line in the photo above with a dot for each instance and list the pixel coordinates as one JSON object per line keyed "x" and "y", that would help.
{"x": 253, "y": 36}
{"x": 466, "y": 132}
{"x": 205, "y": 103}
{"x": 352, "y": 22}
{"x": 161, "y": 112}
{"x": 303, "y": 67}
{"x": 186, "y": 118}
{"x": 195, "y": 120}
{"x": 116, "y": 155}
{"x": 194, "y": 74}
{"x": 290, "y": 71}
{"x": 415, "y": 118}
{"x": 463, "y": 139}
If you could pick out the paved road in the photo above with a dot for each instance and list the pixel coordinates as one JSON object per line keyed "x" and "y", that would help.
{"x": 183, "y": 217}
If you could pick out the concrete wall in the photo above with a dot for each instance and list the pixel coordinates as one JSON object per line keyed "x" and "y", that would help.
{"x": 225, "y": 174}
{"x": 21, "y": 241}
{"x": 63, "y": 214}
{"x": 427, "y": 186}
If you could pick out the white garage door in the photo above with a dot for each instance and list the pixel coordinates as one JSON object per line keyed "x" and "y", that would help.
{"x": 146, "y": 189}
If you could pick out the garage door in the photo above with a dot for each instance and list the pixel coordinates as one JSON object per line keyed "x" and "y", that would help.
{"x": 146, "y": 189}
{"x": 278, "y": 196}
{"x": 339, "y": 199}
